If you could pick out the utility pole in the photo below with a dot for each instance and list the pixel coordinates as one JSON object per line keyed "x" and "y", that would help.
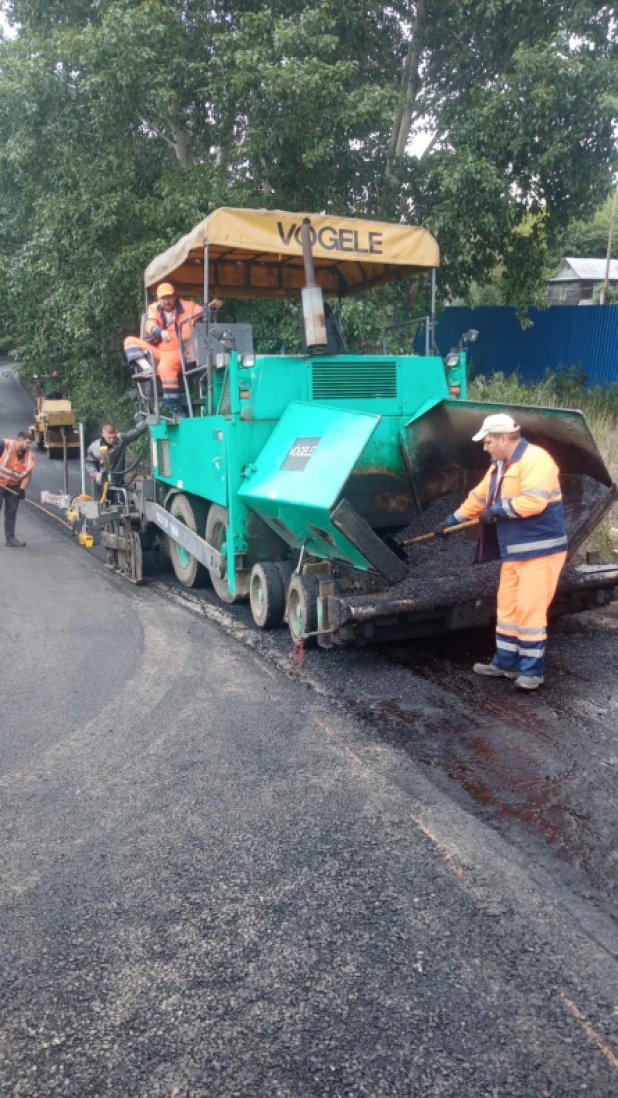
{"x": 610, "y": 241}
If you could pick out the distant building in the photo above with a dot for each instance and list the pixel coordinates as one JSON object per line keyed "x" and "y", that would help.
{"x": 575, "y": 280}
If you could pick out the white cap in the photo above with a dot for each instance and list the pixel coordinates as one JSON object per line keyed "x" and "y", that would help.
{"x": 499, "y": 424}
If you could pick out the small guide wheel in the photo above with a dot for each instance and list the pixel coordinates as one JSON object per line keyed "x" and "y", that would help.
{"x": 302, "y": 608}
{"x": 266, "y": 595}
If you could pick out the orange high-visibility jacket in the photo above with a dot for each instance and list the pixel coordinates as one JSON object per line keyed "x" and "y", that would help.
{"x": 525, "y": 498}
{"x": 13, "y": 468}
{"x": 184, "y": 311}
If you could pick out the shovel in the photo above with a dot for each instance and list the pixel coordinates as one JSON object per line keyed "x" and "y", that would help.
{"x": 398, "y": 546}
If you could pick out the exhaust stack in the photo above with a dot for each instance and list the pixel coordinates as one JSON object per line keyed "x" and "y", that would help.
{"x": 313, "y": 302}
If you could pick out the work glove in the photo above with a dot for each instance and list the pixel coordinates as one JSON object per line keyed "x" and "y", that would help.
{"x": 21, "y": 492}
{"x": 487, "y": 517}
{"x": 440, "y": 531}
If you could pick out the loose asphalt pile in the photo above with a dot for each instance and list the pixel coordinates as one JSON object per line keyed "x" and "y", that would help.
{"x": 442, "y": 571}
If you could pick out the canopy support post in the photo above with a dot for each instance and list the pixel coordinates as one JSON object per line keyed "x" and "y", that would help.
{"x": 206, "y": 331}
{"x": 153, "y": 362}
{"x": 206, "y": 291}
{"x": 183, "y": 367}
{"x": 433, "y": 348}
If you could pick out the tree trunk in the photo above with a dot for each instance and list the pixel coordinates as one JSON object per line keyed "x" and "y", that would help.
{"x": 181, "y": 141}
{"x": 409, "y": 88}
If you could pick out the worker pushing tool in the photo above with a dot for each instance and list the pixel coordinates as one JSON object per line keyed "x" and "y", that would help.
{"x": 16, "y": 465}
{"x": 170, "y": 322}
{"x": 519, "y": 506}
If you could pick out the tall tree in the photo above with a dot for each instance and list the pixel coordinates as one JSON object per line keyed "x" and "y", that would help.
{"x": 124, "y": 121}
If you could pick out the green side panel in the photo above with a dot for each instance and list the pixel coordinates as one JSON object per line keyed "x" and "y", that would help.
{"x": 205, "y": 455}
{"x": 301, "y": 472}
{"x": 380, "y": 384}
{"x": 273, "y": 382}
{"x": 191, "y": 455}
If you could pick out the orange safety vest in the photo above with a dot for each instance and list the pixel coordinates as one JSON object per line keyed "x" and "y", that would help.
{"x": 14, "y": 468}
{"x": 182, "y": 325}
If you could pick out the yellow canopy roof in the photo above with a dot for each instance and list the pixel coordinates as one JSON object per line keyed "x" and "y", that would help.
{"x": 258, "y": 254}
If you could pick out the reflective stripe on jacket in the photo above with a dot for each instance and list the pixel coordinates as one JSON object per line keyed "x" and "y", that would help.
{"x": 13, "y": 468}
{"x": 526, "y": 499}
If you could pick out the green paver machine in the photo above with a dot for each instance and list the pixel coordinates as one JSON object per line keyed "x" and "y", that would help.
{"x": 288, "y": 472}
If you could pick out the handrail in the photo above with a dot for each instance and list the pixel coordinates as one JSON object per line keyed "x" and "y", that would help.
{"x": 427, "y": 320}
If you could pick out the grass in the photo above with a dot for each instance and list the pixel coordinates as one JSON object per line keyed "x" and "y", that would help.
{"x": 567, "y": 389}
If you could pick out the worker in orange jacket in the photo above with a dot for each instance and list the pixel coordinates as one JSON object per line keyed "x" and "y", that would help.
{"x": 170, "y": 321}
{"x": 16, "y": 465}
{"x": 519, "y": 505}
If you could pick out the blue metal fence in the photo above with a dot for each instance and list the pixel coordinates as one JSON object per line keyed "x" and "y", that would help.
{"x": 561, "y": 336}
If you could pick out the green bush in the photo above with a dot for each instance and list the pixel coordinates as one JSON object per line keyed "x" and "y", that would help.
{"x": 561, "y": 388}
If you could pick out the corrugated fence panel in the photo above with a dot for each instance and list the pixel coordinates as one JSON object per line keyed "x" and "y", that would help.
{"x": 563, "y": 335}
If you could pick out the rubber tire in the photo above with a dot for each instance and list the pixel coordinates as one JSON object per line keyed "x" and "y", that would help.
{"x": 149, "y": 537}
{"x": 269, "y": 613}
{"x": 302, "y": 608}
{"x": 217, "y": 519}
{"x": 285, "y": 569}
{"x": 192, "y": 512}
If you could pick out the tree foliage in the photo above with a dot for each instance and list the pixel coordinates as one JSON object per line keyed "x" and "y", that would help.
{"x": 587, "y": 237}
{"x": 122, "y": 122}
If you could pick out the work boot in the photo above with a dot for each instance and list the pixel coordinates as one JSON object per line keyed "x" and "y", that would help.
{"x": 13, "y": 543}
{"x": 492, "y": 671}
{"x": 529, "y": 682}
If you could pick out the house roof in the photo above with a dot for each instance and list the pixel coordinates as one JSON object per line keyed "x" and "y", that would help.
{"x": 574, "y": 269}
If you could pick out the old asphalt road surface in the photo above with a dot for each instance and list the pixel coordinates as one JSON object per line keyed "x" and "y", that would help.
{"x": 216, "y": 882}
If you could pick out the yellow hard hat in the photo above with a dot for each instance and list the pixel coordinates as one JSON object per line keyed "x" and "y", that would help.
{"x": 166, "y": 290}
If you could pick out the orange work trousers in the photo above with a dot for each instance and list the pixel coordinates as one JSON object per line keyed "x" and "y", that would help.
{"x": 526, "y": 590}
{"x": 169, "y": 366}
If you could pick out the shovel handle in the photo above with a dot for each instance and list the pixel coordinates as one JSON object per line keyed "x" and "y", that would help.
{"x": 449, "y": 530}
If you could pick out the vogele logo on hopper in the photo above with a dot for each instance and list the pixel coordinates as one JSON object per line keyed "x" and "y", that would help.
{"x": 333, "y": 239}
{"x": 301, "y": 450}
